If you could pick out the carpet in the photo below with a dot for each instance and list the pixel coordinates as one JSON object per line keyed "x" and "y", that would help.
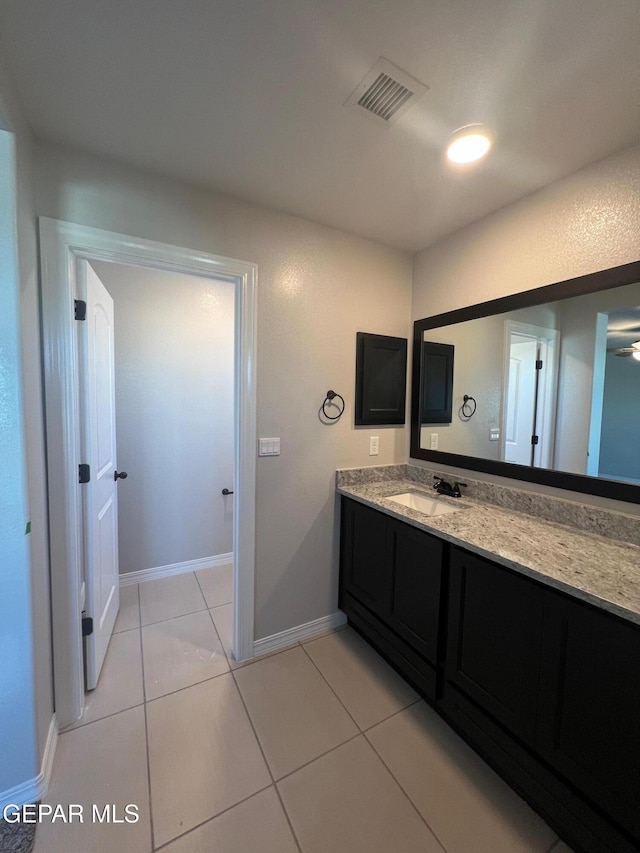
{"x": 16, "y": 837}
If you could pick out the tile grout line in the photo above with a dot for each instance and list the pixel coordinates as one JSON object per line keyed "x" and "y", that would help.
{"x": 363, "y": 732}
{"x": 287, "y": 817}
{"x": 212, "y": 818}
{"x": 210, "y": 606}
{"x": 215, "y": 628}
{"x": 391, "y": 716}
{"x": 179, "y": 616}
{"x": 146, "y": 728}
{"x": 201, "y": 590}
{"x": 253, "y": 728}
{"x": 373, "y": 725}
{"x": 264, "y": 758}
{"x": 413, "y": 805}
{"x": 217, "y": 633}
{"x": 170, "y": 619}
{"x": 318, "y": 757}
{"x": 319, "y": 671}
{"x": 75, "y": 727}
{"x": 187, "y": 686}
{"x": 273, "y": 783}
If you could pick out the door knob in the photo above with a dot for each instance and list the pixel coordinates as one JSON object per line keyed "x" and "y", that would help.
{"x": 119, "y": 475}
{"x": 227, "y": 492}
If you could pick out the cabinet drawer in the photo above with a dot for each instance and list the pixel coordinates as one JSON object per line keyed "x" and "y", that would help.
{"x": 401, "y": 656}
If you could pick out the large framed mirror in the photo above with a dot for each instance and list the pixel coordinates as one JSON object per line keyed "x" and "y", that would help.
{"x": 552, "y": 381}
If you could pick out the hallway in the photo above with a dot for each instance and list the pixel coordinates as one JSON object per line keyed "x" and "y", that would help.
{"x": 318, "y": 748}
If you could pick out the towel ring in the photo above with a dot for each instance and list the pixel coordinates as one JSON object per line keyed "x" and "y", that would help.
{"x": 466, "y": 409}
{"x": 331, "y": 395}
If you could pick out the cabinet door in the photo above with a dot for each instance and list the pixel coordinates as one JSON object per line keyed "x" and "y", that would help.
{"x": 495, "y": 632}
{"x": 415, "y": 566}
{"x": 590, "y": 714}
{"x": 363, "y": 570}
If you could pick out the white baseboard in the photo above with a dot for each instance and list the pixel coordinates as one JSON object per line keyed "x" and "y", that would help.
{"x": 49, "y": 754}
{"x": 174, "y": 569}
{"x": 299, "y": 633}
{"x": 34, "y": 789}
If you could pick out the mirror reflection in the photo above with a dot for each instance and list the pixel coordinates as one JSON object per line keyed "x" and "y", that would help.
{"x": 554, "y": 386}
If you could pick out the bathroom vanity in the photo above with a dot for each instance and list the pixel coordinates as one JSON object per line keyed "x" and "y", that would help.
{"x": 522, "y": 633}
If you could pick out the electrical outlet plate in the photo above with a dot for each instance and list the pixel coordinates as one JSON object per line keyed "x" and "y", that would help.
{"x": 434, "y": 441}
{"x": 374, "y": 445}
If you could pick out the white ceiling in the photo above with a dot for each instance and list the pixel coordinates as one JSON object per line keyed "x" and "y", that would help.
{"x": 247, "y": 96}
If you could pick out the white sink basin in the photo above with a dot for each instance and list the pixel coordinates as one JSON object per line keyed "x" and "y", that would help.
{"x": 424, "y": 503}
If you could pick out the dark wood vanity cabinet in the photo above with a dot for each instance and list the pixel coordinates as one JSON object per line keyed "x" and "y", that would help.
{"x": 363, "y": 556}
{"x": 494, "y": 640}
{"x": 414, "y": 561}
{"x": 543, "y": 685}
{"x": 390, "y": 588}
{"x": 589, "y": 709}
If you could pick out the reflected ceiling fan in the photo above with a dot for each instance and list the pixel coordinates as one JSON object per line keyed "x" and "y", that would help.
{"x": 632, "y": 351}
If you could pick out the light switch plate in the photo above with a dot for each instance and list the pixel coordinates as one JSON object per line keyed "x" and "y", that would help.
{"x": 494, "y": 435}
{"x": 374, "y": 445}
{"x": 269, "y": 447}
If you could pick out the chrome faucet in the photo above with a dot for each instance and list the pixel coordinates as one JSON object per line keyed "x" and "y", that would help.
{"x": 443, "y": 488}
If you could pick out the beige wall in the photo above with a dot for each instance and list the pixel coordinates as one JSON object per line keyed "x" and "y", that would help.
{"x": 174, "y": 339}
{"x": 317, "y": 287}
{"x": 586, "y": 222}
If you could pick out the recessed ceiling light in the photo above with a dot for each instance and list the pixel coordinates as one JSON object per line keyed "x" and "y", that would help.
{"x": 636, "y": 345}
{"x": 636, "y": 355}
{"x": 469, "y": 143}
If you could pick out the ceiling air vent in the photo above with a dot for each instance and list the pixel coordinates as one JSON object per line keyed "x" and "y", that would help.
{"x": 386, "y": 93}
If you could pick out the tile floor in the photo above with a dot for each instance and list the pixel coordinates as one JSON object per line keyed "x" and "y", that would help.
{"x": 320, "y": 748}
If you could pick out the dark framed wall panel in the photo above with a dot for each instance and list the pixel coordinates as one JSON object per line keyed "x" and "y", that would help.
{"x": 437, "y": 383}
{"x": 381, "y": 380}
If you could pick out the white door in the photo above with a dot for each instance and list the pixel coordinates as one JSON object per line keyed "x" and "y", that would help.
{"x": 520, "y": 400}
{"x": 100, "y": 493}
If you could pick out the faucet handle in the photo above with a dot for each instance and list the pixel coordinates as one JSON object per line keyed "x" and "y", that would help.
{"x": 437, "y": 481}
{"x": 456, "y": 489}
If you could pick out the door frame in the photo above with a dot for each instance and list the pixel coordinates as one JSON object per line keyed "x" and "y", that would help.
{"x": 597, "y": 395}
{"x": 548, "y": 388}
{"x": 61, "y": 245}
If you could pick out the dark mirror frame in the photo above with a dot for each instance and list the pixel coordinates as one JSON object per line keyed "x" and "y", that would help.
{"x": 591, "y": 283}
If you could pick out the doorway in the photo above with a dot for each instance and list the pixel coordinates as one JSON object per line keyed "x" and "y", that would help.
{"x": 529, "y": 394}
{"x": 171, "y": 356}
{"x": 64, "y": 247}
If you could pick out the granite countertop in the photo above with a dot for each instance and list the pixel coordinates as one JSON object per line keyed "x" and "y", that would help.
{"x": 598, "y": 570}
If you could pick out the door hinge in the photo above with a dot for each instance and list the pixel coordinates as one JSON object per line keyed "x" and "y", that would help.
{"x": 539, "y": 364}
{"x": 87, "y": 625}
{"x": 84, "y": 473}
{"x": 534, "y": 439}
{"x": 79, "y": 309}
